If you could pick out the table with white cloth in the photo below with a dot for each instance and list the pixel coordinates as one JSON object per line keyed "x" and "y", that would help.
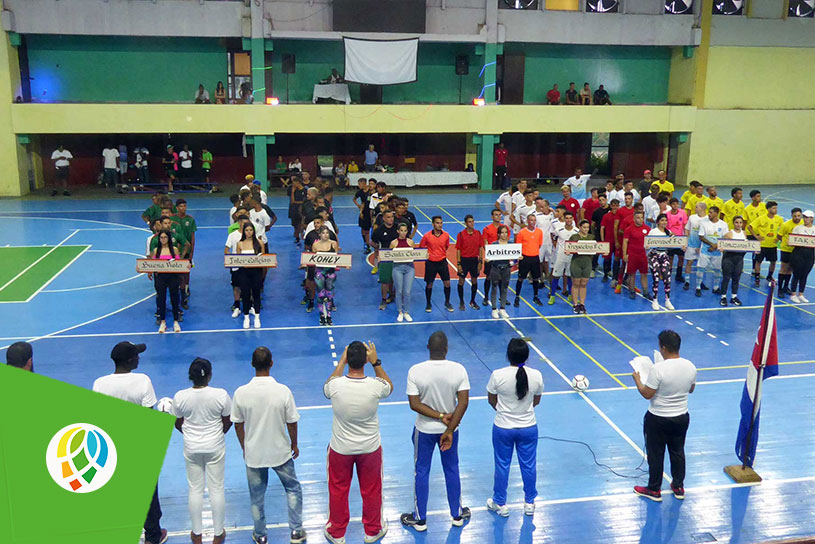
{"x": 337, "y": 91}
{"x": 412, "y": 179}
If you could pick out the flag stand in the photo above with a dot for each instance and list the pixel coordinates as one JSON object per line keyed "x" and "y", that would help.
{"x": 742, "y": 474}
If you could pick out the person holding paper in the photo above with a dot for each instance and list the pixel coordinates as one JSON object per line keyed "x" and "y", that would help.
{"x": 499, "y": 274}
{"x": 677, "y": 219}
{"x": 733, "y": 263}
{"x": 710, "y": 258}
{"x": 489, "y": 235}
{"x": 667, "y": 386}
{"x": 403, "y": 274}
{"x": 694, "y": 245}
{"x": 802, "y": 259}
{"x": 580, "y": 269}
{"x": 324, "y": 278}
{"x": 659, "y": 262}
{"x": 765, "y": 228}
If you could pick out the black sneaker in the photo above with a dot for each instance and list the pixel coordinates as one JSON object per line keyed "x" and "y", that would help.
{"x": 576, "y": 308}
{"x": 517, "y": 302}
{"x": 680, "y": 278}
{"x": 686, "y": 286}
{"x": 537, "y": 301}
{"x": 781, "y": 293}
{"x": 735, "y": 301}
{"x": 304, "y": 301}
{"x": 448, "y": 307}
{"x": 310, "y": 306}
{"x": 185, "y": 303}
{"x": 461, "y": 307}
{"x": 322, "y": 319}
{"x": 582, "y": 308}
{"x": 465, "y": 515}
{"x": 649, "y": 296}
{"x": 474, "y": 306}
{"x": 704, "y": 287}
{"x": 297, "y": 537}
{"x": 408, "y": 520}
{"x": 328, "y": 321}
{"x": 723, "y": 301}
{"x": 605, "y": 278}
{"x": 698, "y": 292}
{"x": 428, "y": 309}
{"x": 717, "y": 291}
{"x": 757, "y": 282}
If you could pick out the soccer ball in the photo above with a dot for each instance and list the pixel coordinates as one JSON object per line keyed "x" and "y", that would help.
{"x": 580, "y": 383}
{"x": 165, "y": 404}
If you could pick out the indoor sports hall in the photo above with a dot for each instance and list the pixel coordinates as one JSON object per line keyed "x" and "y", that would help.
{"x": 453, "y": 97}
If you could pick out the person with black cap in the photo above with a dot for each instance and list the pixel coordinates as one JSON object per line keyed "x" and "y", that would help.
{"x": 137, "y": 388}
{"x": 20, "y": 355}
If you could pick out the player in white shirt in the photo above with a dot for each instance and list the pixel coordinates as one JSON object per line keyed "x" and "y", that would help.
{"x": 62, "y": 164}
{"x": 438, "y": 391}
{"x": 667, "y": 386}
{"x": 514, "y": 391}
{"x": 260, "y": 218}
{"x": 518, "y": 200}
{"x": 265, "y": 418}
{"x": 578, "y": 183}
{"x": 628, "y": 187}
{"x": 561, "y": 268}
{"x": 504, "y": 205}
{"x": 544, "y": 219}
{"x": 650, "y": 206}
{"x": 802, "y": 258}
{"x": 355, "y": 441}
{"x": 710, "y": 257}
{"x": 126, "y": 385}
{"x": 694, "y": 244}
{"x": 202, "y": 416}
{"x": 528, "y": 207}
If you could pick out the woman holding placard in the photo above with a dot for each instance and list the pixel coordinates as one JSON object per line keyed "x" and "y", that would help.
{"x": 250, "y": 279}
{"x": 581, "y": 268}
{"x": 733, "y": 263}
{"x": 802, "y": 259}
{"x": 167, "y": 281}
{"x": 500, "y": 272}
{"x": 659, "y": 262}
{"x": 403, "y": 274}
{"x": 325, "y": 277}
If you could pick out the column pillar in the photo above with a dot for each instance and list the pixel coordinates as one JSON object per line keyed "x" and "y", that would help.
{"x": 260, "y": 157}
{"x": 486, "y": 151}
{"x": 13, "y": 159}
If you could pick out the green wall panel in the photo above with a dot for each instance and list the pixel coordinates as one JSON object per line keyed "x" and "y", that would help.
{"x": 631, "y": 75}
{"x": 123, "y": 69}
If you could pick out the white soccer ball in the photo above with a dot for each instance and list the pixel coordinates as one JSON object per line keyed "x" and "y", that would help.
{"x": 580, "y": 383}
{"x": 165, "y": 404}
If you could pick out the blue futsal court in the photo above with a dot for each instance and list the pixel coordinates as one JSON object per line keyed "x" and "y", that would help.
{"x": 99, "y": 300}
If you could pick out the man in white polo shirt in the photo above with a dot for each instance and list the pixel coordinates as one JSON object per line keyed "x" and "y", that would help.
{"x": 355, "y": 440}
{"x": 438, "y": 391}
{"x": 62, "y": 163}
{"x": 667, "y": 386}
{"x": 137, "y": 388}
{"x": 263, "y": 411}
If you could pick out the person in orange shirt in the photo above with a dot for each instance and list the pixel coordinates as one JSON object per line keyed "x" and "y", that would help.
{"x": 531, "y": 240}
{"x": 437, "y": 243}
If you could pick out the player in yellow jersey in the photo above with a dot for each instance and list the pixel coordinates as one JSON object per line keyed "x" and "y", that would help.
{"x": 663, "y": 184}
{"x": 785, "y": 274}
{"x": 734, "y": 206}
{"x": 712, "y": 199}
{"x": 765, "y": 229}
{"x": 753, "y": 211}
{"x": 695, "y": 196}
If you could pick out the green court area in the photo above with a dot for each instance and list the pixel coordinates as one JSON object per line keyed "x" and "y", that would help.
{"x": 26, "y": 270}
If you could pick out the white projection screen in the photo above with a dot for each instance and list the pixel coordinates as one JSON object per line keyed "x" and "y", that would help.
{"x": 380, "y": 62}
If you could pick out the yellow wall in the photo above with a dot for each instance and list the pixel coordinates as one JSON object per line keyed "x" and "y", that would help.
{"x": 568, "y": 5}
{"x": 752, "y": 147}
{"x": 682, "y": 79}
{"x": 309, "y": 119}
{"x": 760, "y": 78}
{"x": 13, "y": 161}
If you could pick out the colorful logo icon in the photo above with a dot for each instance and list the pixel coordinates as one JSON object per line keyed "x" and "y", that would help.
{"x": 81, "y": 458}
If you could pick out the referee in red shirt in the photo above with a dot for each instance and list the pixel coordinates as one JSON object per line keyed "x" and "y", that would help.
{"x": 470, "y": 255}
{"x": 488, "y": 236}
{"x": 437, "y": 243}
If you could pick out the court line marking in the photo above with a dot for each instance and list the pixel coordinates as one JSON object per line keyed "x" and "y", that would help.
{"x": 72, "y": 289}
{"x": 729, "y": 367}
{"x": 32, "y": 265}
{"x": 60, "y": 271}
{"x": 88, "y": 322}
{"x": 72, "y": 219}
{"x": 283, "y": 203}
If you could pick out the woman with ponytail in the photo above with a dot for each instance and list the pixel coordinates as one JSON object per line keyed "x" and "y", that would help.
{"x": 513, "y": 392}
{"x": 202, "y": 414}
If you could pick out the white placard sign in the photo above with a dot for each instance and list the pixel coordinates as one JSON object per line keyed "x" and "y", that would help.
{"x": 666, "y": 242}
{"x": 739, "y": 246}
{"x": 403, "y": 254}
{"x": 163, "y": 266}
{"x": 502, "y": 252}
{"x": 326, "y": 260}
{"x": 587, "y": 247}
{"x": 265, "y": 260}
{"x": 801, "y": 240}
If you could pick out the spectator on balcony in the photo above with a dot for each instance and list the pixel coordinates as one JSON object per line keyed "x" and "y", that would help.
{"x": 220, "y": 93}
{"x": 601, "y": 97}
{"x": 572, "y": 98}
{"x": 340, "y": 175}
{"x": 110, "y": 160}
{"x": 247, "y": 97}
{"x": 61, "y": 158}
{"x": 296, "y": 165}
{"x": 379, "y": 167}
{"x": 553, "y": 96}
{"x": 335, "y": 77}
{"x": 371, "y": 157}
{"x": 202, "y": 96}
{"x": 585, "y": 95}
{"x": 353, "y": 167}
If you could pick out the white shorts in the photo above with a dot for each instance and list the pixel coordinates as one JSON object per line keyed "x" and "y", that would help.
{"x": 691, "y": 253}
{"x": 710, "y": 262}
{"x": 546, "y": 254}
{"x": 562, "y": 266}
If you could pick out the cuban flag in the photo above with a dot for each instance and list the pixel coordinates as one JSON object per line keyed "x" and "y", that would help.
{"x": 764, "y": 364}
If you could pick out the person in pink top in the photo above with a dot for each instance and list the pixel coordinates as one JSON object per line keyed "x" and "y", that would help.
{"x": 677, "y": 219}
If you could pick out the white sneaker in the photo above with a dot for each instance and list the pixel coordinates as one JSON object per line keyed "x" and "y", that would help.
{"x": 257, "y": 321}
{"x": 803, "y": 299}
{"x": 495, "y": 314}
{"x": 654, "y": 304}
{"x": 162, "y": 327}
{"x": 328, "y": 537}
{"x": 502, "y": 511}
{"x": 668, "y": 304}
{"x": 503, "y": 313}
{"x": 176, "y": 327}
{"x": 795, "y": 299}
{"x": 236, "y": 312}
{"x": 246, "y": 321}
{"x": 369, "y": 539}
{"x": 400, "y": 317}
{"x": 407, "y": 317}
{"x": 529, "y": 508}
